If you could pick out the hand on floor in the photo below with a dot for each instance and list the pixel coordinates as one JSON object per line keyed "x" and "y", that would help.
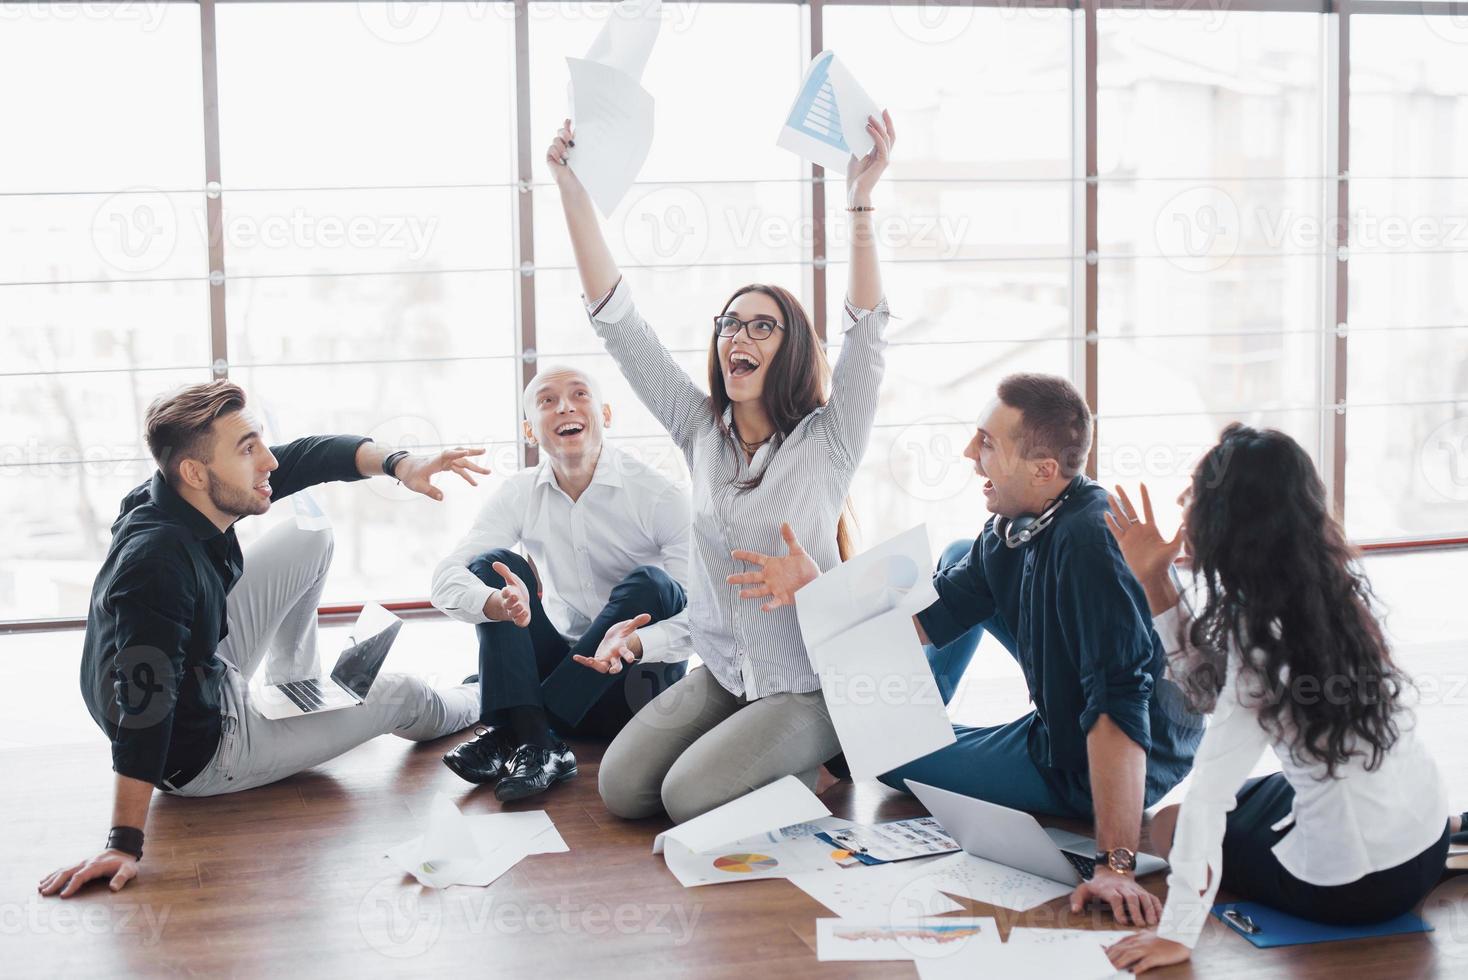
{"x": 1130, "y": 903}
{"x": 1146, "y": 951}
{"x": 66, "y": 882}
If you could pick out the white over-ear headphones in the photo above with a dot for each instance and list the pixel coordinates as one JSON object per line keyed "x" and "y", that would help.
{"x": 1022, "y": 530}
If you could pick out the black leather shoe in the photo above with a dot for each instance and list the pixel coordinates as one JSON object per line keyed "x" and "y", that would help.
{"x": 483, "y": 758}
{"x": 535, "y": 769}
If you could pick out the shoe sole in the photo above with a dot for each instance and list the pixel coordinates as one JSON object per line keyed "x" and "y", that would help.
{"x": 514, "y": 795}
{"x": 466, "y": 777}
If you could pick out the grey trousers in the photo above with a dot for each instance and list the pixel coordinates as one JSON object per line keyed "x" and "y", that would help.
{"x": 272, "y": 624}
{"x": 696, "y": 746}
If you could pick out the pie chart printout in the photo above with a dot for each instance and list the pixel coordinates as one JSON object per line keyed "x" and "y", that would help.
{"x": 743, "y": 864}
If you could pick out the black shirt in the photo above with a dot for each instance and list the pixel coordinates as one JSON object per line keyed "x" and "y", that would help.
{"x": 1075, "y": 618}
{"x": 149, "y": 674}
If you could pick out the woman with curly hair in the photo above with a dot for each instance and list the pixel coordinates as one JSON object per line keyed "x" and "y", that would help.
{"x": 1286, "y": 651}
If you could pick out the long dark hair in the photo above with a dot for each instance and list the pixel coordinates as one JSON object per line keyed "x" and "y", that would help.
{"x": 798, "y": 382}
{"x": 1282, "y": 585}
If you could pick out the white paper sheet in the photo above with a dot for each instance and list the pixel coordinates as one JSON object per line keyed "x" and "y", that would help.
{"x": 827, "y": 122}
{"x": 857, "y": 624}
{"x": 783, "y": 803}
{"x": 777, "y": 854}
{"x": 1101, "y": 937}
{"x": 883, "y": 893}
{"x": 460, "y": 850}
{"x": 865, "y": 940}
{"x": 993, "y": 883}
{"x": 1073, "y": 959}
{"x": 611, "y": 111}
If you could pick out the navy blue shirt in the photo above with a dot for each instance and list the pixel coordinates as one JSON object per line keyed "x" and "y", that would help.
{"x": 149, "y": 674}
{"x": 1077, "y": 622}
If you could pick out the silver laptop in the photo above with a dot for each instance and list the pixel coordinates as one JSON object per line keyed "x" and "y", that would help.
{"x": 348, "y": 683}
{"x": 1016, "y": 839}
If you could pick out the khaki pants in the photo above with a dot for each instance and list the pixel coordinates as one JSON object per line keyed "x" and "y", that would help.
{"x": 696, "y": 746}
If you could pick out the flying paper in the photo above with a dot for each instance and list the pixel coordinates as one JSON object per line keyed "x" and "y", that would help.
{"x": 828, "y": 121}
{"x": 611, "y": 111}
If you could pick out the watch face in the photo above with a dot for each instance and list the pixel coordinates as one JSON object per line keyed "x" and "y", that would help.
{"x": 1122, "y": 860}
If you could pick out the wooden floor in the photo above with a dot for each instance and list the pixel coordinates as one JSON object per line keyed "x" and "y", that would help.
{"x": 290, "y": 879}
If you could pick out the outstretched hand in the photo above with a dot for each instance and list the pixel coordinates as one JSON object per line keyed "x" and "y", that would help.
{"x": 1148, "y": 554}
{"x": 416, "y": 472}
{"x": 778, "y": 577}
{"x": 618, "y": 646}
{"x": 514, "y": 597}
{"x": 556, "y": 157}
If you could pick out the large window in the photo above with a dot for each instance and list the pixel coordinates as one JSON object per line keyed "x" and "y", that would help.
{"x": 372, "y": 191}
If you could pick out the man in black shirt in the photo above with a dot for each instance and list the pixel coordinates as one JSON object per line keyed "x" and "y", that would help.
{"x": 177, "y": 626}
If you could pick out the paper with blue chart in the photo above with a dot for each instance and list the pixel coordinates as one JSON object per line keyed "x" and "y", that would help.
{"x": 857, "y": 624}
{"x": 611, "y": 112}
{"x": 828, "y": 122}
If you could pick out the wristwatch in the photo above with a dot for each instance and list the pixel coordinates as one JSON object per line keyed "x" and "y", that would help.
{"x": 1120, "y": 859}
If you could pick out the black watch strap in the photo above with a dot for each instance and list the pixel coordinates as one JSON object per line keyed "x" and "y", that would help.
{"x": 128, "y": 840}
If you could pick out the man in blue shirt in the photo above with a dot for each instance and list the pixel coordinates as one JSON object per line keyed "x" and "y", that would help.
{"x": 1109, "y": 733}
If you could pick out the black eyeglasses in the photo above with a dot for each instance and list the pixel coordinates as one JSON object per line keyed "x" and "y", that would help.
{"x": 758, "y": 329}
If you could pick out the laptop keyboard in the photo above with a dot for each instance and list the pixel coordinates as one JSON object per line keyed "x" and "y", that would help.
{"x": 1085, "y": 867}
{"x": 307, "y": 694}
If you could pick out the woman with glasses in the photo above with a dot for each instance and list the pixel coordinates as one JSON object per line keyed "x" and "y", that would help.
{"x": 767, "y": 439}
{"x": 1286, "y": 652}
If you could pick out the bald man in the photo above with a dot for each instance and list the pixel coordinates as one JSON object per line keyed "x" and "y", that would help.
{"x": 607, "y": 539}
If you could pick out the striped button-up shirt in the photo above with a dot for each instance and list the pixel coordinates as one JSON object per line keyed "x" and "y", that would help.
{"x": 805, "y": 479}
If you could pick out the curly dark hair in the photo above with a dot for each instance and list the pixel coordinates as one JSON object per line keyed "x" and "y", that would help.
{"x": 1280, "y": 582}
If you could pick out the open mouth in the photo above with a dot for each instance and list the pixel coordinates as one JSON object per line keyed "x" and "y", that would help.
{"x": 742, "y": 365}
{"x": 263, "y": 488}
{"x": 988, "y": 486}
{"x": 567, "y": 429}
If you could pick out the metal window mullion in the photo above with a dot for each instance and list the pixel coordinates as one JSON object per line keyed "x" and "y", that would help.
{"x": 1339, "y": 264}
{"x": 524, "y": 245}
{"x": 213, "y": 203}
{"x": 818, "y": 195}
{"x": 1086, "y": 126}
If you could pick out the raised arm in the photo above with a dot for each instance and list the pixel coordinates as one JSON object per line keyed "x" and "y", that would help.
{"x": 594, "y": 260}
{"x": 857, "y": 379}
{"x": 664, "y": 387}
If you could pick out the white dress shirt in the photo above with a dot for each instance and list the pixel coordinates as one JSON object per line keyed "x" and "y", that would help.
{"x": 629, "y": 515}
{"x": 1360, "y": 822}
{"x": 806, "y": 476}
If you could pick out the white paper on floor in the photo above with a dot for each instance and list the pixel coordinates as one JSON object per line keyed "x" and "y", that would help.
{"x": 885, "y": 892}
{"x": 994, "y": 883}
{"x": 865, "y": 939}
{"x": 460, "y": 850}
{"x": 776, "y": 854}
{"x": 1075, "y": 955}
{"x": 785, "y": 802}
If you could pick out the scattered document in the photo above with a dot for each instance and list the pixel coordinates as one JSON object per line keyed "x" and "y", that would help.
{"x": 895, "y": 840}
{"x": 993, "y": 883}
{"x": 884, "y": 893}
{"x": 865, "y": 940}
{"x": 783, "y": 803}
{"x": 611, "y": 112}
{"x": 776, "y": 854}
{"x": 828, "y": 122}
{"x": 857, "y": 624}
{"x": 1102, "y": 937}
{"x": 460, "y": 850}
{"x": 1074, "y": 957}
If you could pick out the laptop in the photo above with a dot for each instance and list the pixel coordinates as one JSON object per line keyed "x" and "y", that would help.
{"x": 1014, "y": 838}
{"x": 347, "y": 685}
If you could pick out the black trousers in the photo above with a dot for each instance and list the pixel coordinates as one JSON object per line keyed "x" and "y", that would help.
{"x": 1251, "y": 871}
{"x": 532, "y": 666}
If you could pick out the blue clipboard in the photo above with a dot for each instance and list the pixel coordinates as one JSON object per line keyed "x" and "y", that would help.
{"x": 1278, "y": 929}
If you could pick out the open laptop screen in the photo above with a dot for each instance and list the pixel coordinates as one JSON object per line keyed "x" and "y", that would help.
{"x": 372, "y": 637}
